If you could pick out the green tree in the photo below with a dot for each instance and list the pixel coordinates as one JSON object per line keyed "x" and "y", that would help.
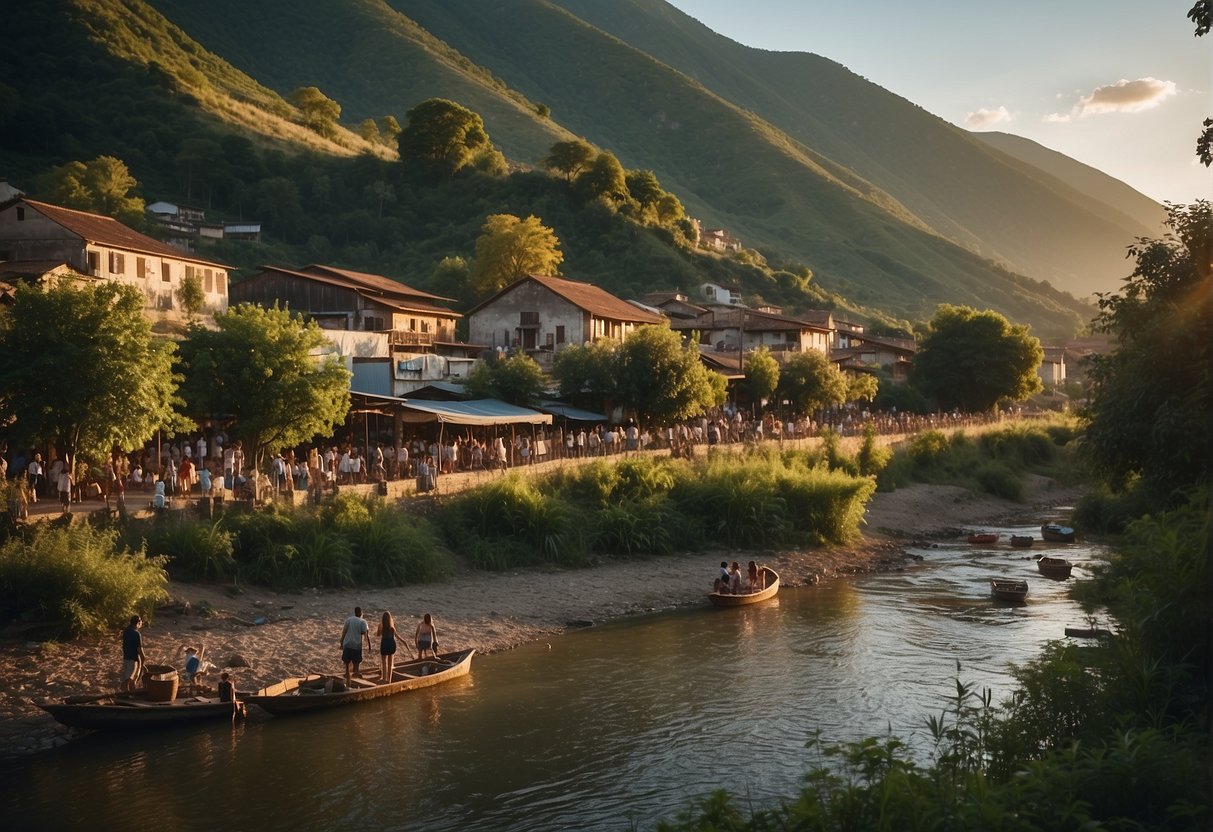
{"x": 492, "y": 161}
{"x": 1149, "y": 411}
{"x": 810, "y": 381}
{"x": 661, "y": 379}
{"x": 761, "y": 374}
{"x": 644, "y": 187}
{"x": 971, "y": 359}
{"x": 441, "y": 138}
{"x": 102, "y": 186}
{"x": 389, "y": 130}
{"x": 604, "y": 178}
{"x": 517, "y": 380}
{"x": 509, "y": 249}
{"x": 190, "y": 295}
{"x": 569, "y": 158}
{"x": 862, "y": 387}
{"x": 318, "y": 112}
{"x": 452, "y": 278}
{"x": 260, "y": 366}
{"x": 79, "y": 368}
{"x": 379, "y": 193}
{"x": 369, "y": 130}
{"x": 588, "y": 372}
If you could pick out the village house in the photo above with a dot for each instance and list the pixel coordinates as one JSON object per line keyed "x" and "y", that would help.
{"x": 542, "y": 315}
{"x": 103, "y": 248}
{"x": 675, "y": 305}
{"x": 393, "y": 337}
{"x": 736, "y": 329}
{"x": 865, "y": 353}
{"x": 184, "y": 224}
{"x": 1052, "y": 369}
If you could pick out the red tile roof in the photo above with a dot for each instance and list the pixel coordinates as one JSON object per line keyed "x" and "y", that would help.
{"x": 385, "y": 290}
{"x": 374, "y": 282}
{"x": 586, "y": 296}
{"x": 107, "y": 231}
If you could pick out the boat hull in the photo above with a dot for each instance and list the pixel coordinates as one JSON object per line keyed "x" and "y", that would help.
{"x": 306, "y": 693}
{"x": 1020, "y": 541}
{"x": 1013, "y": 592}
{"x": 983, "y": 538}
{"x": 770, "y": 589}
{"x": 1057, "y": 534}
{"x": 137, "y": 713}
{"x": 1057, "y": 568}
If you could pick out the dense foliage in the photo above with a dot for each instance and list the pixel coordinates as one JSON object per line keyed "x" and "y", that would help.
{"x": 971, "y": 360}
{"x": 258, "y": 367}
{"x": 79, "y": 369}
{"x": 1152, "y": 399}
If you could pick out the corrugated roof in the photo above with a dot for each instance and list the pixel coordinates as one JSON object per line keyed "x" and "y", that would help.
{"x": 405, "y": 301}
{"x": 586, "y": 296}
{"x": 374, "y": 282}
{"x": 107, "y": 231}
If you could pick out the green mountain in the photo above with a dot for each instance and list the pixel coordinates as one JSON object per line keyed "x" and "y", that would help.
{"x": 194, "y": 100}
{"x": 729, "y": 167}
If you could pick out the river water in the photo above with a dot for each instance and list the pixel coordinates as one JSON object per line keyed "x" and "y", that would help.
{"x": 608, "y": 728}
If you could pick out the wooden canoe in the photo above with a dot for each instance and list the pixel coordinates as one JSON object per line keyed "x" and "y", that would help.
{"x": 136, "y": 711}
{"x": 1022, "y": 541}
{"x": 770, "y": 588}
{"x": 983, "y": 537}
{"x": 1015, "y": 592}
{"x": 308, "y": 693}
{"x": 1057, "y": 533}
{"x": 1058, "y": 568}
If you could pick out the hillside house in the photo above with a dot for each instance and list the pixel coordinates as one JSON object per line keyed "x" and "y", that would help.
{"x": 674, "y": 305}
{"x": 728, "y": 295}
{"x": 183, "y": 224}
{"x": 102, "y": 247}
{"x": 733, "y": 329}
{"x": 1052, "y": 369}
{"x": 391, "y": 335}
{"x": 542, "y": 315}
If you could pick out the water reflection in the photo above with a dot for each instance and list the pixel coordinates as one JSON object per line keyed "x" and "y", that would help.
{"x": 625, "y": 721}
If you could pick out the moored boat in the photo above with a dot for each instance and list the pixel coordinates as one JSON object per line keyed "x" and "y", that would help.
{"x": 315, "y": 691}
{"x": 1054, "y": 567}
{"x": 1022, "y": 541}
{"x": 1003, "y": 589}
{"x": 136, "y": 710}
{"x": 770, "y": 587}
{"x": 983, "y": 537}
{"x": 1057, "y": 533}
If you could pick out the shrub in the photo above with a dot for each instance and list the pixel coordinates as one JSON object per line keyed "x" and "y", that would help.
{"x": 196, "y": 549}
{"x": 872, "y": 458}
{"x": 999, "y": 480}
{"x": 323, "y": 557}
{"x": 392, "y": 549}
{"x": 514, "y": 518}
{"x": 79, "y": 576}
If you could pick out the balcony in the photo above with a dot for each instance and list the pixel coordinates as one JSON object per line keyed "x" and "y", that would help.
{"x": 404, "y": 338}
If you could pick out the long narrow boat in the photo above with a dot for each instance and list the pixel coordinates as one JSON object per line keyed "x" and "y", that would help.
{"x": 136, "y": 710}
{"x": 983, "y": 537}
{"x": 770, "y": 587}
{"x": 1015, "y": 592}
{"x": 308, "y": 693}
{"x": 1054, "y": 567}
{"x": 1057, "y": 533}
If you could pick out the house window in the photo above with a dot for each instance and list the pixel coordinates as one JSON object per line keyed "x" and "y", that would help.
{"x": 94, "y": 263}
{"x": 560, "y": 333}
{"x": 372, "y": 324}
{"x": 425, "y": 326}
{"x": 141, "y": 267}
{"x": 221, "y": 283}
{"x": 528, "y": 318}
{"x": 412, "y": 324}
{"x": 550, "y": 339}
{"x": 117, "y": 263}
{"x": 20, "y": 214}
{"x": 209, "y": 285}
{"x": 166, "y": 274}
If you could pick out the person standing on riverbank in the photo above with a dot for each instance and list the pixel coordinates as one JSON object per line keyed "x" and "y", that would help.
{"x": 133, "y": 657}
{"x": 353, "y": 634}
{"x": 387, "y": 647}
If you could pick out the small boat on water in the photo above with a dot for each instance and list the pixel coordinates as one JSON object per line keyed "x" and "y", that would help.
{"x": 1057, "y": 533}
{"x": 770, "y": 587}
{"x": 136, "y": 710}
{"x": 1058, "y": 568}
{"x": 983, "y": 537}
{"x": 1015, "y": 592}
{"x": 1022, "y": 541}
{"x": 315, "y": 691}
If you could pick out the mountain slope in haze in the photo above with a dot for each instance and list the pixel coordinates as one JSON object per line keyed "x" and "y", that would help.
{"x": 964, "y": 188}
{"x": 1097, "y": 185}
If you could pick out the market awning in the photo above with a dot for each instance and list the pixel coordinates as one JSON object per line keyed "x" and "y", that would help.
{"x": 573, "y": 414}
{"x": 475, "y": 412}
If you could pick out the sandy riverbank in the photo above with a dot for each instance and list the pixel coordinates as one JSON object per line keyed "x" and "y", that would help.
{"x": 489, "y": 611}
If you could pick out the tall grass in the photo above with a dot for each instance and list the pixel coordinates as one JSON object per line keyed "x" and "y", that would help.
{"x": 512, "y": 522}
{"x": 78, "y": 575}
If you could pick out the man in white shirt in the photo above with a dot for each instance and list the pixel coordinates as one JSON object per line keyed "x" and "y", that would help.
{"x": 353, "y": 634}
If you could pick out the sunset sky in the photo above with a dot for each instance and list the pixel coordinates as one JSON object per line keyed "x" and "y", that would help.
{"x": 1122, "y": 85}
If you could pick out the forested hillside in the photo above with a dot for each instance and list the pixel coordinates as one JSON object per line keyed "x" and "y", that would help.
{"x": 200, "y": 106}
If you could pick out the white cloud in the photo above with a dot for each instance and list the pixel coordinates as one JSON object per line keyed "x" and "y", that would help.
{"x": 984, "y": 118}
{"x": 1122, "y": 97}
{"x": 1057, "y": 118}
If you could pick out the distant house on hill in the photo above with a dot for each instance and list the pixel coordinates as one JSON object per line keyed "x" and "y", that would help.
{"x": 185, "y": 223}
{"x": 542, "y": 315}
{"x": 1052, "y": 370}
{"x": 674, "y": 305}
{"x": 101, "y": 247}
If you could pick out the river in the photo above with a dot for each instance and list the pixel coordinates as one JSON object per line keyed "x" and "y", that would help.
{"x": 612, "y": 727}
